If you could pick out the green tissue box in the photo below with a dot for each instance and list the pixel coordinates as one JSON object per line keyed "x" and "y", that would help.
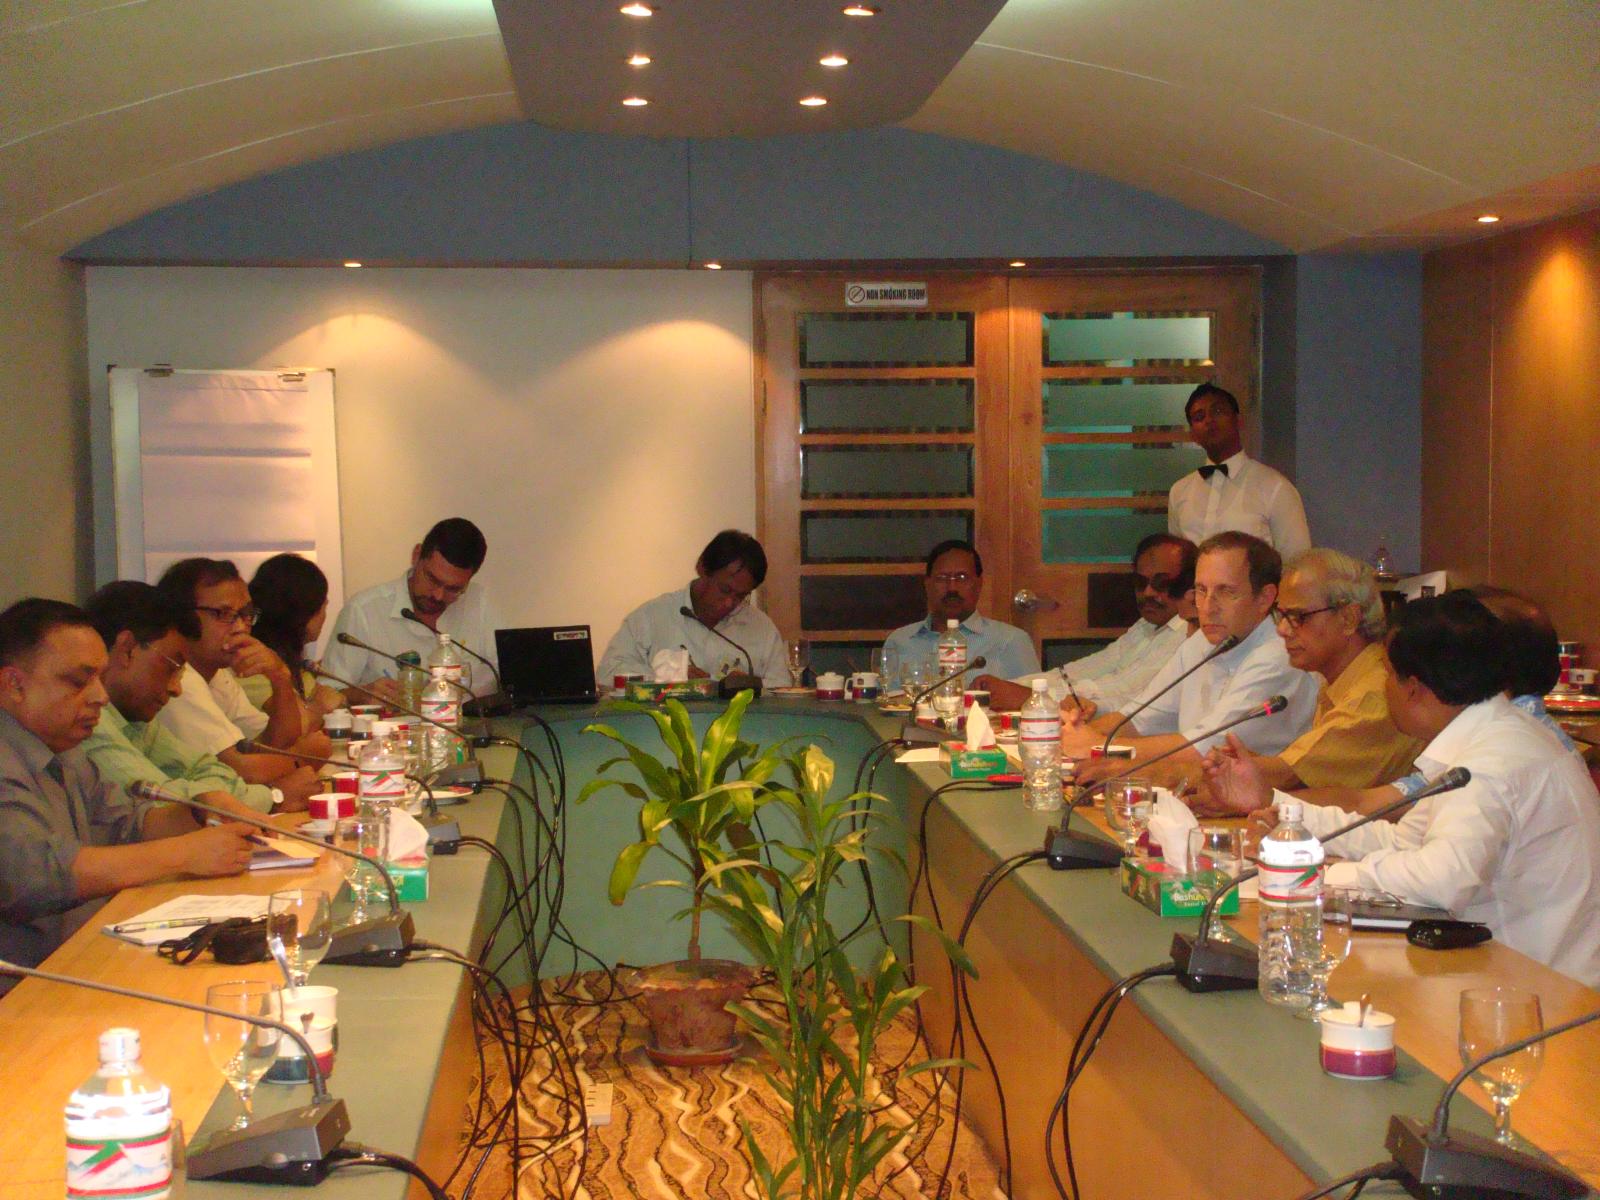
{"x": 410, "y": 879}
{"x": 976, "y": 764}
{"x": 1167, "y": 893}
{"x": 645, "y": 692}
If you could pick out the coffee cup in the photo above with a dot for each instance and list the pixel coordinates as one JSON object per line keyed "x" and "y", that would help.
{"x": 865, "y": 685}
{"x": 331, "y": 806}
{"x": 314, "y": 1011}
{"x": 830, "y": 686}
{"x": 1353, "y": 1048}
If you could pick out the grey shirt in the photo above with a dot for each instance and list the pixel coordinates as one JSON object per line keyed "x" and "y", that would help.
{"x": 51, "y": 805}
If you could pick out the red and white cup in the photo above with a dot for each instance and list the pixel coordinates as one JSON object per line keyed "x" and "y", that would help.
{"x": 346, "y": 781}
{"x": 1357, "y": 1048}
{"x": 331, "y": 806}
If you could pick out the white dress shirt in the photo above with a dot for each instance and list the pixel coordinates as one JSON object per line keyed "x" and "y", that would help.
{"x": 374, "y": 617}
{"x": 1113, "y": 676}
{"x": 1518, "y": 848}
{"x": 214, "y": 717}
{"x": 659, "y": 625}
{"x": 1232, "y": 684}
{"x": 1006, "y": 650}
{"x": 1251, "y": 497}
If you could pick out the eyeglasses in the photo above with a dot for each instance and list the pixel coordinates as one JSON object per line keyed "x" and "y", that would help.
{"x": 1296, "y": 617}
{"x": 174, "y": 667}
{"x": 229, "y": 616}
{"x": 949, "y": 577}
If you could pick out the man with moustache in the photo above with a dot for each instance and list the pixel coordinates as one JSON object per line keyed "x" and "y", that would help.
{"x": 953, "y": 583}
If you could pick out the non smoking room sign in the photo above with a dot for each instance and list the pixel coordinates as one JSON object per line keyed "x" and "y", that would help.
{"x": 891, "y": 294}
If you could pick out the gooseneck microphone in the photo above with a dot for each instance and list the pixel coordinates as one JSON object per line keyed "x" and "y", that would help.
{"x": 287, "y": 1147}
{"x": 1068, "y": 851}
{"x": 1221, "y": 648}
{"x": 346, "y": 639}
{"x": 731, "y": 683}
{"x": 1208, "y": 966}
{"x": 499, "y": 688}
{"x": 468, "y": 772}
{"x": 913, "y": 734}
{"x": 380, "y": 942}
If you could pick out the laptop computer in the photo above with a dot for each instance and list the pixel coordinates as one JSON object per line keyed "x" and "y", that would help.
{"x": 552, "y": 664}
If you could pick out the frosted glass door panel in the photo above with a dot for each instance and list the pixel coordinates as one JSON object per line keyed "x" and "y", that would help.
{"x": 1115, "y": 469}
{"x": 886, "y": 340}
{"x": 829, "y": 537}
{"x": 903, "y": 471}
{"x": 1113, "y": 405}
{"x": 1097, "y": 535}
{"x": 1126, "y": 339}
{"x": 889, "y": 406}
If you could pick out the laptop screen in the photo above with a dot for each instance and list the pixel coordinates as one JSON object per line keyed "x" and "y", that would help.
{"x": 545, "y": 665}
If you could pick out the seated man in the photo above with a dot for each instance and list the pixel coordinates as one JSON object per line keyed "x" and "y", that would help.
{"x": 440, "y": 592}
{"x": 146, "y": 636}
{"x": 1109, "y": 679}
{"x": 68, "y": 838}
{"x": 1330, "y": 617}
{"x": 953, "y": 582}
{"x": 212, "y": 714}
{"x": 1518, "y": 847}
{"x": 729, "y": 569}
{"x": 1235, "y": 588}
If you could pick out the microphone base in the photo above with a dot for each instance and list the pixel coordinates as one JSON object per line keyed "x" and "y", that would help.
{"x": 1465, "y": 1165}
{"x": 913, "y": 734}
{"x": 381, "y": 942}
{"x": 734, "y": 683}
{"x": 287, "y": 1147}
{"x": 467, "y": 774}
{"x": 495, "y": 705}
{"x": 1067, "y": 851}
{"x": 1212, "y": 966}
{"x": 444, "y": 833}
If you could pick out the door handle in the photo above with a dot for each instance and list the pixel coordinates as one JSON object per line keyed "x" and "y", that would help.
{"x": 1027, "y": 600}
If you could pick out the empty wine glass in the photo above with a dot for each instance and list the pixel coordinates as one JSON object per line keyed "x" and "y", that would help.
{"x": 1128, "y": 804}
{"x": 798, "y": 657}
{"x": 913, "y": 676}
{"x": 240, "y": 1050}
{"x": 1493, "y": 1017}
{"x": 301, "y": 917}
{"x": 365, "y": 833}
{"x": 1216, "y": 856}
{"x": 1336, "y": 931}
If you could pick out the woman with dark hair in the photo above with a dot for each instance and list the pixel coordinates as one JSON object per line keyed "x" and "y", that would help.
{"x": 291, "y": 598}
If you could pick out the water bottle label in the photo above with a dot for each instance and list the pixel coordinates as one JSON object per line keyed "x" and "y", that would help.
{"x": 136, "y": 1168}
{"x": 1040, "y": 729}
{"x": 451, "y": 671}
{"x": 1288, "y": 884}
{"x": 952, "y": 658}
{"x": 382, "y": 783}
{"x": 446, "y": 712}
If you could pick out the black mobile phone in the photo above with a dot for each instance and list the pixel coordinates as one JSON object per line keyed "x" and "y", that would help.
{"x": 1447, "y": 935}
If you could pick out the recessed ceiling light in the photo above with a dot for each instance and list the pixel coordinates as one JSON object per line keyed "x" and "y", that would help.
{"x": 834, "y": 60}
{"x": 352, "y": 263}
{"x": 813, "y": 101}
{"x": 1016, "y": 262}
{"x": 639, "y": 60}
{"x": 861, "y": 10}
{"x": 1487, "y": 219}
{"x": 637, "y": 10}
{"x": 634, "y": 102}
{"x": 713, "y": 266}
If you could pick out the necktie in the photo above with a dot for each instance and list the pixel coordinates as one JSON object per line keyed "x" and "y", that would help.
{"x": 1210, "y": 469}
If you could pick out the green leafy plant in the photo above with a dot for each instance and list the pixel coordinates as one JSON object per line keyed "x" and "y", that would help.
{"x": 821, "y": 1048}
{"x": 689, "y": 809}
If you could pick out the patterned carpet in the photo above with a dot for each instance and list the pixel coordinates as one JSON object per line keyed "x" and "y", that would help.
{"x": 675, "y": 1133}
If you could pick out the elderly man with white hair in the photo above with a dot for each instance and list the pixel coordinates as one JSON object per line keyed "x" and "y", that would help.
{"x": 1330, "y": 617}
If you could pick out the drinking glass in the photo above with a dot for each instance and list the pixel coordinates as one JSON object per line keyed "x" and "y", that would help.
{"x": 1128, "y": 804}
{"x": 877, "y": 664}
{"x": 798, "y": 654}
{"x": 240, "y": 1050}
{"x": 303, "y": 919}
{"x": 365, "y": 833}
{"x": 1216, "y": 856}
{"x": 913, "y": 676}
{"x": 1497, "y": 1016}
{"x": 1336, "y": 930}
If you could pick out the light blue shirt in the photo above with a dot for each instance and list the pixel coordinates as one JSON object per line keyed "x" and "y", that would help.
{"x": 1008, "y": 650}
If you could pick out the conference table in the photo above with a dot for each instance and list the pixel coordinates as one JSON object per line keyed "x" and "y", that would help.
{"x": 1189, "y": 1095}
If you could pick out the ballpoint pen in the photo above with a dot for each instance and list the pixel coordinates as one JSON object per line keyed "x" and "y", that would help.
{"x": 176, "y": 923}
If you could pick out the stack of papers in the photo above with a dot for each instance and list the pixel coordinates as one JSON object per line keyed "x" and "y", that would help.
{"x": 182, "y": 915}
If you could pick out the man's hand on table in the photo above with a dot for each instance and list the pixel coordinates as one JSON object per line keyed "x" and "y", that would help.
{"x": 215, "y": 850}
{"x": 1234, "y": 780}
{"x": 1004, "y": 696}
{"x": 297, "y": 787}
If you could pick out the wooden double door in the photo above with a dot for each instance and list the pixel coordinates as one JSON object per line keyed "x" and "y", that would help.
{"x": 1038, "y": 416}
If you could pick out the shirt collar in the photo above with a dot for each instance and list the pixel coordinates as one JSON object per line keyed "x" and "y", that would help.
{"x": 1456, "y": 738}
{"x": 1178, "y": 624}
{"x": 112, "y": 719}
{"x": 35, "y": 755}
{"x": 975, "y": 624}
{"x": 402, "y": 596}
{"x": 1352, "y": 677}
{"x": 686, "y": 600}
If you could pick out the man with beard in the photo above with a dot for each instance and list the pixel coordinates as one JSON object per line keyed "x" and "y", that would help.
{"x": 953, "y": 582}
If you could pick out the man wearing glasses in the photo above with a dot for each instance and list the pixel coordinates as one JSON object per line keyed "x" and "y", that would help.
{"x": 1235, "y": 589}
{"x": 1330, "y": 617}
{"x": 953, "y": 581}
{"x": 147, "y": 639}
{"x": 212, "y": 714}
{"x": 439, "y": 590}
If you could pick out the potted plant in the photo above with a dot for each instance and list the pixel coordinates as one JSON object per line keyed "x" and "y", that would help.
{"x": 820, "y": 1049}
{"x": 690, "y": 811}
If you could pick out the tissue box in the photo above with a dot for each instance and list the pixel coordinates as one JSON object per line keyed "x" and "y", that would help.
{"x": 647, "y": 692}
{"x": 975, "y": 764}
{"x": 410, "y": 879}
{"x": 1169, "y": 893}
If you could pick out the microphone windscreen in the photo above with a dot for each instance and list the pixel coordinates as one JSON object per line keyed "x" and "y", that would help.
{"x": 686, "y": 611}
{"x": 408, "y": 614}
{"x": 344, "y": 639}
{"x": 1227, "y": 643}
{"x": 1455, "y": 777}
{"x": 1276, "y": 705}
{"x": 141, "y": 790}
{"x": 980, "y": 661}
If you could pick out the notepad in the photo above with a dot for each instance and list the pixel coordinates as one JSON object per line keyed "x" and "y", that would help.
{"x": 277, "y": 854}
{"x": 182, "y": 915}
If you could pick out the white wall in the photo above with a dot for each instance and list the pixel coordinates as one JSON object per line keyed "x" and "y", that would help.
{"x": 597, "y": 425}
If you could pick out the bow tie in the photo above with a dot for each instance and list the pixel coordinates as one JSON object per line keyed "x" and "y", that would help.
{"x": 1210, "y": 469}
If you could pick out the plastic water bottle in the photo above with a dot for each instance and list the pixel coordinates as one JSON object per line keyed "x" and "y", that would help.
{"x": 952, "y": 661}
{"x": 441, "y": 702}
{"x": 1040, "y": 742}
{"x": 119, "y": 1127}
{"x": 381, "y": 769}
{"x": 446, "y": 658}
{"x": 1291, "y": 910}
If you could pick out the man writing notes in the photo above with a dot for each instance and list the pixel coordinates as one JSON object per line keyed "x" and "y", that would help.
{"x": 953, "y": 582}
{"x": 68, "y": 838}
{"x": 440, "y": 592}
{"x": 1235, "y": 587}
{"x": 1331, "y": 620}
{"x": 1233, "y": 491}
{"x": 729, "y": 569}
{"x": 1109, "y": 679}
{"x": 1518, "y": 847}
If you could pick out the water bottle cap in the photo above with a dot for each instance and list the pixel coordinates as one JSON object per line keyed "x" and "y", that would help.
{"x": 444, "y": 639}
{"x": 952, "y": 623}
{"x": 382, "y": 729}
{"x": 1289, "y": 810}
{"x": 1039, "y": 685}
{"x": 119, "y": 1045}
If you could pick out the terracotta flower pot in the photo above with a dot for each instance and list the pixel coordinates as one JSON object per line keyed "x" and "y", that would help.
{"x": 685, "y": 1003}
